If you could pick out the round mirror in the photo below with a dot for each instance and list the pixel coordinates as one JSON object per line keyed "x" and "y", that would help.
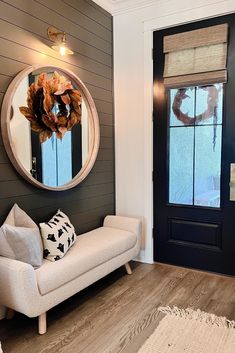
{"x": 50, "y": 127}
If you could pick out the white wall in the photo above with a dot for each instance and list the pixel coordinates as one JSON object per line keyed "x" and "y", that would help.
{"x": 20, "y": 126}
{"x": 133, "y": 93}
{"x": 85, "y": 133}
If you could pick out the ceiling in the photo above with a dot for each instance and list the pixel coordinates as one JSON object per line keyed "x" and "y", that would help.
{"x": 121, "y": 6}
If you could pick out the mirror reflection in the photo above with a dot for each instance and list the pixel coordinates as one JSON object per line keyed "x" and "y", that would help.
{"x": 49, "y": 126}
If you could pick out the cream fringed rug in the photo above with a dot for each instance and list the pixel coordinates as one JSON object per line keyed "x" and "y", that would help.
{"x": 189, "y": 331}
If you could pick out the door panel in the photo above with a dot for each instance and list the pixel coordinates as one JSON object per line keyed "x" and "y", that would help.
{"x": 194, "y": 221}
{"x": 207, "y": 235}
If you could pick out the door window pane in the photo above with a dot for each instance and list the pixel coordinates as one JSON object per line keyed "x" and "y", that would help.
{"x": 64, "y": 157}
{"x": 49, "y": 165}
{"x": 181, "y": 160}
{"x": 182, "y": 103}
{"x": 207, "y": 166}
{"x": 205, "y": 98}
{"x": 56, "y": 160}
{"x": 195, "y": 141}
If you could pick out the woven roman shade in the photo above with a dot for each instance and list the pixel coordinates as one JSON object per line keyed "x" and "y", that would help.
{"x": 196, "y": 57}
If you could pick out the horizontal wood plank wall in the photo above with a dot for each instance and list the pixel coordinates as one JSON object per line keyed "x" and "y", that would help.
{"x": 23, "y": 42}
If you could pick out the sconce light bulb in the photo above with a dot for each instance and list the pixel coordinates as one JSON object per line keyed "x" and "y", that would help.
{"x": 62, "y": 50}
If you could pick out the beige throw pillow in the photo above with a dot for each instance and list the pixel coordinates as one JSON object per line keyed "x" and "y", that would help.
{"x": 20, "y": 238}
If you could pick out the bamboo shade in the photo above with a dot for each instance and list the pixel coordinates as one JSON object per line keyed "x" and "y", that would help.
{"x": 196, "y": 57}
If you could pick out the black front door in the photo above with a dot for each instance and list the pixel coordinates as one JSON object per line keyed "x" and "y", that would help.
{"x": 194, "y": 219}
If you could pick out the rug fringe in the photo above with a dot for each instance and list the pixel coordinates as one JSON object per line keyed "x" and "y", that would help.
{"x": 199, "y": 315}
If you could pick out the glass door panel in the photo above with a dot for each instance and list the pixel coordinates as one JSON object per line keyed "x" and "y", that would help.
{"x": 195, "y": 141}
{"x": 207, "y": 166}
{"x": 181, "y": 165}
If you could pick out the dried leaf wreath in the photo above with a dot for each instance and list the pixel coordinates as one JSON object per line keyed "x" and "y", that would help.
{"x": 42, "y": 99}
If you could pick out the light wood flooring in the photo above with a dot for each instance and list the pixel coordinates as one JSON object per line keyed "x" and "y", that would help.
{"x": 119, "y": 312}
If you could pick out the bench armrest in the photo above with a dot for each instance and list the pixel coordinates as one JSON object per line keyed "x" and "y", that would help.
{"x": 132, "y": 225}
{"x": 18, "y": 285}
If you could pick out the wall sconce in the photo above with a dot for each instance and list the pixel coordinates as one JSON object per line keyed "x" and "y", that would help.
{"x": 59, "y": 38}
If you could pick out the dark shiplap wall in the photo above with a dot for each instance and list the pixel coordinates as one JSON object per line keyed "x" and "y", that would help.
{"x": 23, "y": 42}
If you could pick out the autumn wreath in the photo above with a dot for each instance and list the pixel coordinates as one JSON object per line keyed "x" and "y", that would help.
{"x": 53, "y": 105}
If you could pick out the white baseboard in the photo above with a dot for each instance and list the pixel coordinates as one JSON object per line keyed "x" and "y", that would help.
{"x": 143, "y": 258}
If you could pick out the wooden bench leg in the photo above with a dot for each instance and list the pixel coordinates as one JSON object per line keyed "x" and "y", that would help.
{"x": 10, "y": 314}
{"x": 128, "y": 268}
{"x": 42, "y": 324}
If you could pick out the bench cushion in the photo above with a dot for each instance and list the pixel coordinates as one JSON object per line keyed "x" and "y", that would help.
{"x": 90, "y": 250}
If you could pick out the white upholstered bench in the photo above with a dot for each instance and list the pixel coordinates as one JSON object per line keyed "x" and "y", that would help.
{"x": 94, "y": 255}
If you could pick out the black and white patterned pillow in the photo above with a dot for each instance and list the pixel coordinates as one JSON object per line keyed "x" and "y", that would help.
{"x": 58, "y": 235}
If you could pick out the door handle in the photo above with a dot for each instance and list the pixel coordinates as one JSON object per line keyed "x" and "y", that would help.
{"x": 33, "y": 171}
{"x": 232, "y": 182}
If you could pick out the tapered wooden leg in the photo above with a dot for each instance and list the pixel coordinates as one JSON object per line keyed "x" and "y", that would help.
{"x": 10, "y": 314}
{"x": 128, "y": 268}
{"x": 42, "y": 324}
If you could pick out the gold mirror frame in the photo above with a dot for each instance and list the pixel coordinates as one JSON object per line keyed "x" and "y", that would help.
{"x": 9, "y": 145}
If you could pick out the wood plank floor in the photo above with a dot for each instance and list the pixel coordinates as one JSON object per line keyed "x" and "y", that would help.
{"x": 119, "y": 312}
